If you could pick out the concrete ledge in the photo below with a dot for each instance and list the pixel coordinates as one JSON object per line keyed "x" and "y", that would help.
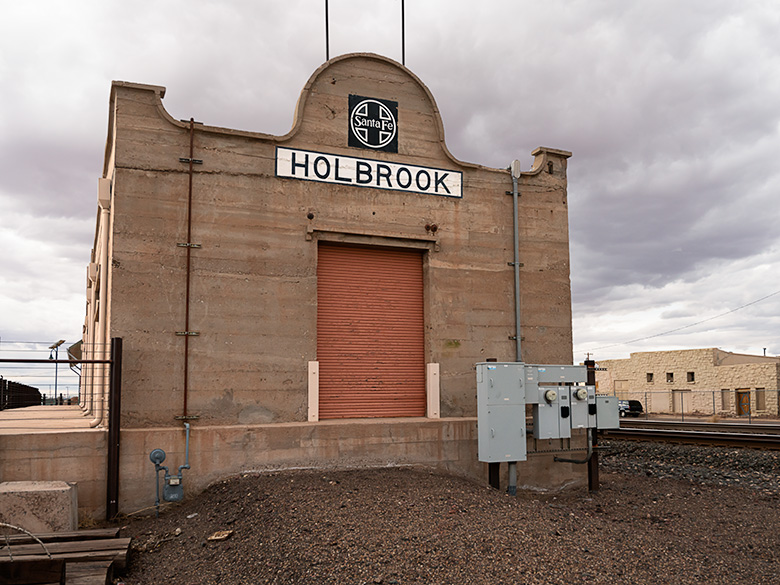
{"x": 218, "y": 451}
{"x": 66, "y": 456}
{"x": 40, "y": 506}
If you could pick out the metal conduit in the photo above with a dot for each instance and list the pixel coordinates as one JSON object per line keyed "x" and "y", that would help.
{"x": 99, "y": 396}
{"x": 188, "y": 245}
{"x": 515, "y": 169}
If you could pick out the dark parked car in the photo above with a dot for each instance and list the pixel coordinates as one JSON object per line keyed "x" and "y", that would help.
{"x": 630, "y": 408}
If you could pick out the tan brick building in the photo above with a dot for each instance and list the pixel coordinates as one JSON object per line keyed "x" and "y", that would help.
{"x": 318, "y": 298}
{"x": 704, "y": 381}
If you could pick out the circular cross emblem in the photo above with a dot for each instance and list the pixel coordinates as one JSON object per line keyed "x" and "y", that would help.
{"x": 373, "y": 124}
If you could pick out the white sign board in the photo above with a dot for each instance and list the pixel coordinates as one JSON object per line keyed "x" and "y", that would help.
{"x": 360, "y": 172}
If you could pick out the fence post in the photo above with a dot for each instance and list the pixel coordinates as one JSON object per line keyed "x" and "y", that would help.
{"x": 114, "y": 417}
{"x": 593, "y": 462}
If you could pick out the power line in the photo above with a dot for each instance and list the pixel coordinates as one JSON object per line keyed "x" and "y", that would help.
{"x": 687, "y": 326}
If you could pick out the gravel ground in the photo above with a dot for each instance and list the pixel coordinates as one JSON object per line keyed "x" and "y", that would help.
{"x": 664, "y": 514}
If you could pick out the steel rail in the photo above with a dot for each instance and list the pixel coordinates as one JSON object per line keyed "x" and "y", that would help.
{"x": 720, "y": 427}
{"x": 741, "y": 440}
{"x": 45, "y": 361}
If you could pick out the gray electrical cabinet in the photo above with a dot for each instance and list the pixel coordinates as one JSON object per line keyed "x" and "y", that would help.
{"x": 607, "y": 413}
{"x": 583, "y": 407}
{"x": 560, "y": 398}
{"x": 501, "y": 412}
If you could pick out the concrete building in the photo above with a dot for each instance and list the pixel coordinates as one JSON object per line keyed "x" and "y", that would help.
{"x": 318, "y": 298}
{"x": 704, "y": 381}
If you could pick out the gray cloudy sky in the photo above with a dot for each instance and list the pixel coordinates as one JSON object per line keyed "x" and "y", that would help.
{"x": 672, "y": 111}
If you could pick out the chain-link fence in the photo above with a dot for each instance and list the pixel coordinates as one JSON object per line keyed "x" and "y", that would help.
{"x": 51, "y": 374}
{"x": 747, "y": 403}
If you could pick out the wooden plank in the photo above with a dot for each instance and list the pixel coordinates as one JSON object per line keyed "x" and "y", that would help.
{"x": 94, "y": 573}
{"x": 70, "y": 546}
{"x": 112, "y": 549}
{"x": 33, "y": 572}
{"x": 118, "y": 558}
{"x": 91, "y": 534}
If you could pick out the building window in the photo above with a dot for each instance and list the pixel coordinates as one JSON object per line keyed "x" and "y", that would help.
{"x": 669, "y": 377}
{"x": 691, "y": 377}
{"x": 725, "y": 401}
{"x": 649, "y": 377}
{"x": 760, "y": 399}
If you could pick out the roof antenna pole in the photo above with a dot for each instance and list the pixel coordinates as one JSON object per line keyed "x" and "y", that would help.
{"x": 403, "y": 35}
{"x": 327, "y": 34}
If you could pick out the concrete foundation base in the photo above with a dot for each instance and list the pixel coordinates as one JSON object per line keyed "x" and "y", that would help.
{"x": 40, "y": 506}
{"x": 217, "y": 452}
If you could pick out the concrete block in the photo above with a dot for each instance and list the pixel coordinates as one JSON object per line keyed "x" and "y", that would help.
{"x": 40, "y": 506}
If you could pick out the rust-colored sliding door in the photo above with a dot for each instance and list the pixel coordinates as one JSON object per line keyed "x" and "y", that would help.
{"x": 370, "y": 332}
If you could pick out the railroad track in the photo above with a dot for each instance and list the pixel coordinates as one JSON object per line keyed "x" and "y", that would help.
{"x": 755, "y": 436}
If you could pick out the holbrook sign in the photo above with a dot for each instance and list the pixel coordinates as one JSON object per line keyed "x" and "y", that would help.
{"x": 360, "y": 172}
{"x": 372, "y": 125}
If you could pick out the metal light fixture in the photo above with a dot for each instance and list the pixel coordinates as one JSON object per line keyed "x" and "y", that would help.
{"x": 54, "y": 354}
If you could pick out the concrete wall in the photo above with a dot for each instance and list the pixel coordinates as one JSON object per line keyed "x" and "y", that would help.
{"x": 714, "y": 371}
{"x": 72, "y": 456}
{"x": 253, "y": 283}
{"x": 253, "y": 287}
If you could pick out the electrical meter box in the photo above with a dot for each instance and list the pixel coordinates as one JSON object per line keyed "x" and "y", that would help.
{"x": 583, "y": 407}
{"x": 607, "y": 413}
{"x": 501, "y": 412}
{"x": 552, "y": 413}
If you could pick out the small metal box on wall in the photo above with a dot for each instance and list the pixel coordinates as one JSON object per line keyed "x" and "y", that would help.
{"x": 501, "y": 412}
{"x": 607, "y": 414}
{"x": 552, "y": 414}
{"x": 583, "y": 407}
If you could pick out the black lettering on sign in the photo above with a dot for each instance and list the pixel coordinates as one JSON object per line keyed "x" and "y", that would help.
{"x": 383, "y": 172}
{"x": 317, "y": 161}
{"x": 363, "y": 173}
{"x": 367, "y": 173}
{"x": 427, "y": 181}
{"x": 304, "y": 165}
{"x": 405, "y": 181}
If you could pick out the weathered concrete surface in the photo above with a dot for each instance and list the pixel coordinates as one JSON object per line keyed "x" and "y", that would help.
{"x": 253, "y": 283}
{"x": 220, "y": 451}
{"x": 55, "y": 443}
{"x": 39, "y": 506}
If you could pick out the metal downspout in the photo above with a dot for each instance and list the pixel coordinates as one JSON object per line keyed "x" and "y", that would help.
{"x": 102, "y": 329}
{"x": 515, "y": 168}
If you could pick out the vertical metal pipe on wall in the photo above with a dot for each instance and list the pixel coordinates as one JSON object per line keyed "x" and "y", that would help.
{"x": 98, "y": 394}
{"x": 515, "y": 169}
{"x": 189, "y": 270}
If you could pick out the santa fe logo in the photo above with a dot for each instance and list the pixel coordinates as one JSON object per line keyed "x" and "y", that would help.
{"x": 373, "y": 123}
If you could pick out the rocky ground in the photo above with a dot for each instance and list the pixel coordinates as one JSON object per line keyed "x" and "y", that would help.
{"x": 664, "y": 514}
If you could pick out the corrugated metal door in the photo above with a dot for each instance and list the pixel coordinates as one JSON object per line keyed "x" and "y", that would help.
{"x": 370, "y": 332}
